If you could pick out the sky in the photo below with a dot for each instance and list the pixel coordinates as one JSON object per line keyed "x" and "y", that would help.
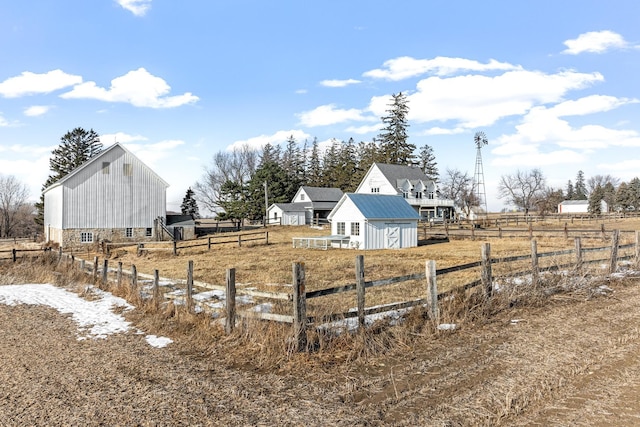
{"x": 553, "y": 85}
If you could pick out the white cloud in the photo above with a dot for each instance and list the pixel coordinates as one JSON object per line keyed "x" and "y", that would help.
{"x": 406, "y": 67}
{"x": 139, "y": 88}
{"x": 124, "y": 138}
{"x": 36, "y": 110}
{"x": 257, "y": 142}
{"x": 3, "y": 122}
{"x": 328, "y": 115}
{"x": 360, "y": 130}
{"x": 474, "y": 101}
{"x": 543, "y": 138}
{"x": 339, "y": 83}
{"x": 595, "y": 42}
{"x": 137, "y": 7}
{"x": 29, "y": 83}
{"x": 301, "y": 91}
{"x": 443, "y": 131}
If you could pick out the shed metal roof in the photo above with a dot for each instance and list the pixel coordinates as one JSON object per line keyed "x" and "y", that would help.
{"x": 381, "y": 206}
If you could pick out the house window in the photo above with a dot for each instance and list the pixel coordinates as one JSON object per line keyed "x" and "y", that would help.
{"x": 405, "y": 194}
{"x": 105, "y": 168}
{"x": 375, "y": 189}
{"x": 128, "y": 232}
{"x": 275, "y": 215}
{"x": 86, "y": 237}
{"x": 127, "y": 169}
{"x": 148, "y": 232}
{"x": 302, "y": 197}
{"x": 355, "y": 228}
{"x": 418, "y": 194}
{"x": 340, "y": 228}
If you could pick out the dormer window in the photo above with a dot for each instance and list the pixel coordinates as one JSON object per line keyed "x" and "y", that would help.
{"x": 375, "y": 189}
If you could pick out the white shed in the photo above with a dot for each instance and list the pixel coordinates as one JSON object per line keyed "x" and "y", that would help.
{"x": 112, "y": 196}
{"x": 580, "y": 206}
{"x": 287, "y": 213}
{"x": 375, "y": 221}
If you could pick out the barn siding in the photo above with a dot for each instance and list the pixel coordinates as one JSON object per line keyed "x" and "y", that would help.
{"x": 93, "y": 199}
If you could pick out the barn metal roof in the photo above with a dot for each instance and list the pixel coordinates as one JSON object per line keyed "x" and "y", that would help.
{"x": 380, "y": 206}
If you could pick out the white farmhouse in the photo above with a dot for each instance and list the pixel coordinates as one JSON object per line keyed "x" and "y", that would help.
{"x": 412, "y": 184}
{"x": 112, "y": 196}
{"x": 375, "y": 221}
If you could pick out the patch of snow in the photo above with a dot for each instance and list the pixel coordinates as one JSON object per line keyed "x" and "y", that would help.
{"x": 263, "y": 308}
{"x": 202, "y": 296}
{"x": 447, "y": 327}
{"x": 95, "y": 318}
{"x": 158, "y": 342}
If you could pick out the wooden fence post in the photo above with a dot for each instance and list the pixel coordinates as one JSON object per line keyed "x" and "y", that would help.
{"x": 578, "y": 243}
{"x": 615, "y": 238}
{"x": 60, "y": 254}
{"x": 134, "y": 278}
{"x": 360, "y": 289}
{"x": 473, "y": 231}
{"x": 486, "y": 270}
{"x": 119, "y": 274}
{"x": 175, "y": 247}
{"x": 190, "y": 286}
{"x": 105, "y": 270}
{"x": 266, "y": 237}
{"x": 14, "y": 254}
{"x": 239, "y": 240}
{"x": 637, "y": 260}
{"x": 208, "y": 243}
{"x": 432, "y": 290}
{"x": 299, "y": 306}
{"x": 535, "y": 269}
{"x": 566, "y": 230}
{"x": 95, "y": 268}
{"x": 230, "y": 301}
{"x": 499, "y": 232}
{"x": 446, "y": 229}
{"x": 156, "y": 287}
{"x": 530, "y": 230}
{"x": 82, "y": 267}
{"x": 604, "y": 235}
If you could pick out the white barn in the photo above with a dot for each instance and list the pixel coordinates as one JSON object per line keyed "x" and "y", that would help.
{"x": 112, "y": 196}
{"x": 287, "y": 213}
{"x": 375, "y": 221}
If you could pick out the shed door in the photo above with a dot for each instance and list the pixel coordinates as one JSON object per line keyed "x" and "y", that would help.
{"x": 293, "y": 220}
{"x": 178, "y": 233}
{"x": 393, "y": 236}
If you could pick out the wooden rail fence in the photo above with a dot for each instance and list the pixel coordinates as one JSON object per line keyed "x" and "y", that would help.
{"x": 299, "y": 297}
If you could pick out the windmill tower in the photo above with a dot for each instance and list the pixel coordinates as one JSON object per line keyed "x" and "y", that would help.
{"x": 480, "y": 139}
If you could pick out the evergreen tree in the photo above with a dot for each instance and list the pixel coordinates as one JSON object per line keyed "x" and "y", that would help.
{"x": 580, "y": 189}
{"x": 314, "y": 167}
{"x": 623, "y": 197}
{"x": 292, "y": 164}
{"x": 595, "y": 200}
{"x": 609, "y": 195}
{"x": 393, "y": 137}
{"x": 189, "y": 205}
{"x": 570, "y": 191}
{"x": 633, "y": 194}
{"x": 232, "y": 200}
{"x": 427, "y": 162}
{"x": 278, "y": 189}
{"x": 76, "y": 147}
{"x": 330, "y": 165}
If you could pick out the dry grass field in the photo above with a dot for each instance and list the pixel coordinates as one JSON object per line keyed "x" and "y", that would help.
{"x": 558, "y": 355}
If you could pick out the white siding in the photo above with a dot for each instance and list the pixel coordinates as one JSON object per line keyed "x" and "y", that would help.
{"x": 93, "y": 199}
{"x": 53, "y": 208}
{"x": 375, "y": 179}
{"x": 300, "y": 197}
{"x": 377, "y": 234}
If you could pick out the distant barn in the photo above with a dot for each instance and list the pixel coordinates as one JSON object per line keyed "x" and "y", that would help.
{"x": 112, "y": 196}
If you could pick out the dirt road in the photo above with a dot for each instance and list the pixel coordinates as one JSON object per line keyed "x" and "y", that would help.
{"x": 573, "y": 362}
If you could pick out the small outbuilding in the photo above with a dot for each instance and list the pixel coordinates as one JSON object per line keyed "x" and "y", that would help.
{"x": 287, "y": 213}
{"x": 375, "y": 221}
{"x": 579, "y": 206}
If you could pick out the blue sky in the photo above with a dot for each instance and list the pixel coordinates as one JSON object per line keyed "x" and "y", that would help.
{"x": 553, "y": 84}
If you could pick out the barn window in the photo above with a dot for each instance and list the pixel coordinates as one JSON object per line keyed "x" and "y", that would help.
{"x": 375, "y": 189}
{"x": 105, "y": 168}
{"x": 302, "y": 196}
{"x": 86, "y": 237}
{"x": 127, "y": 169}
{"x": 128, "y": 232}
{"x": 355, "y": 228}
{"x": 340, "y": 228}
{"x": 148, "y": 232}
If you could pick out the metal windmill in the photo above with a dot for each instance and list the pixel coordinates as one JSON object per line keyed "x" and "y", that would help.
{"x": 480, "y": 139}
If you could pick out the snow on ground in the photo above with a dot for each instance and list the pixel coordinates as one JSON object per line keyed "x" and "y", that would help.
{"x": 95, "y": 318}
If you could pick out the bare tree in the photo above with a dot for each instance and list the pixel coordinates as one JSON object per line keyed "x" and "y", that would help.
{"x": 13, "y": 198}
{"x": 522, "y": 189}
{"x": 602, "y": 181}
{"x": 458, "y": 186}
{"x": 236, "y": 166}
